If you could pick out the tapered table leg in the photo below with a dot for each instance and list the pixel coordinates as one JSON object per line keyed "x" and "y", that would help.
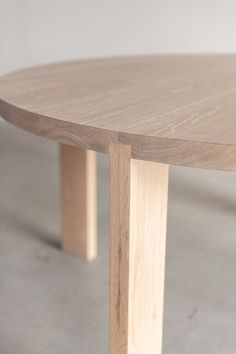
{"x": 78, "y": 184}
{"x": 138, "y": 209}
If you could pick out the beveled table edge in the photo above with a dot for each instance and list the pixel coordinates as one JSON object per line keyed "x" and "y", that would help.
{"x": 163, "y": 150}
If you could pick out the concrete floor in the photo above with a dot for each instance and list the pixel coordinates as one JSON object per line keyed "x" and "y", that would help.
{"x": 54, "y": 303}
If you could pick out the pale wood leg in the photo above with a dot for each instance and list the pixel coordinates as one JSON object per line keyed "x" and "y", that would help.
{"x": 138, "y": 209}
{"x": 78, "y": 183}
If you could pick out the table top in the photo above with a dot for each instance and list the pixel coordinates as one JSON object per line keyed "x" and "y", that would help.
{"x": 177, "y": 109}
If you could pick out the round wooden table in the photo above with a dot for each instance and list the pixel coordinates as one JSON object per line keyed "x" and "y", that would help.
{"x": 147, "y": 113}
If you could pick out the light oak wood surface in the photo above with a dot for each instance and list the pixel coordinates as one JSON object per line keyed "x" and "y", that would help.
{"x": 138, "y": 207}
{"x": 79, "y": 208}
{"x": 170, "y": 109}
{"x": 160, "y": 109}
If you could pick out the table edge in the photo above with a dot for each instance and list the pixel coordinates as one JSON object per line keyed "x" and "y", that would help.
{"x": 163, "y": 150}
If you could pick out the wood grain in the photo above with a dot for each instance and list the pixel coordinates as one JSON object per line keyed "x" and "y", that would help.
{"x": 138, "y": 208}
{"x": 171, "y": 109}
{"x": 79, "y": 209}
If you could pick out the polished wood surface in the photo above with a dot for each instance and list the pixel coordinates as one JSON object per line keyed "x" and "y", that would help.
{"x": 79, "y": 202}
{"x": 171, "y": 109}
{"x": 138, "y": 209}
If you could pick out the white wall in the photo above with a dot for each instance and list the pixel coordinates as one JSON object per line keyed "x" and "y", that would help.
{"x": 38, "y": 31}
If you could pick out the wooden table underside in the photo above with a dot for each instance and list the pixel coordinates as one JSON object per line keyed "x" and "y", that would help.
{"x": 147, "y": 113}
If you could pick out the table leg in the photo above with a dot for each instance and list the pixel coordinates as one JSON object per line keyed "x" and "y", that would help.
{"x": 138, "y": 209}
{"x": 78, "y": 184}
